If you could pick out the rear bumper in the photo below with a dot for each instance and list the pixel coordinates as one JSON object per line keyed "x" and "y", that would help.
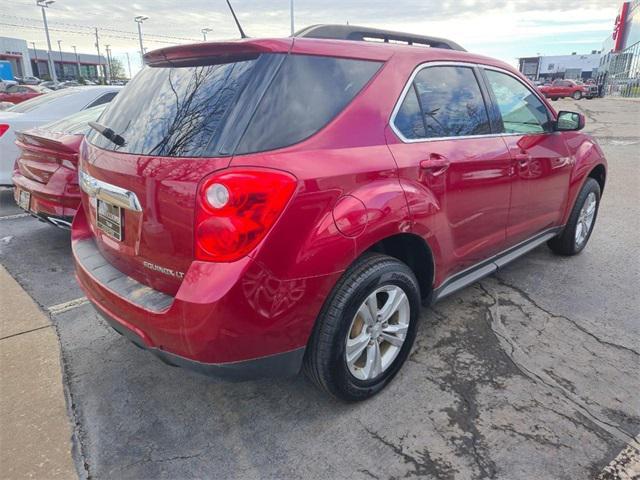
{"x": 54, "y": 201}
{"x": 234, "y": 320}
{"x": 279, "y": 365}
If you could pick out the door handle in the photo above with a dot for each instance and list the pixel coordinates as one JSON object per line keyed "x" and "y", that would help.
{"x": 436, "y": 164}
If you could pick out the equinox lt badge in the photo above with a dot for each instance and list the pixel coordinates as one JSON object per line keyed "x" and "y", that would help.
{"x": 165, "y": 270}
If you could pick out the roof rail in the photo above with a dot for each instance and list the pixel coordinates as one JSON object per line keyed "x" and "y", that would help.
{"x": 352, "y": 32}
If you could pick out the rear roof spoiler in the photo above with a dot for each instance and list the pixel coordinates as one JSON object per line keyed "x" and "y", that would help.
{"x": 360, "y": 34}
{"x": 222, "y": 52}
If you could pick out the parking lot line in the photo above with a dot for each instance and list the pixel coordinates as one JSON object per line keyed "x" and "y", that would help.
{"x": 66, "y": 306}
{"x": 17, "y": 215}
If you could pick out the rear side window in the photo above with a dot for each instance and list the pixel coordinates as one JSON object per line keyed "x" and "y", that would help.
{"x": 106, "y": 98}
{"x": 520, "y": 109}
{"x": 307, "y": 93}
{"x": 450, "y": 102}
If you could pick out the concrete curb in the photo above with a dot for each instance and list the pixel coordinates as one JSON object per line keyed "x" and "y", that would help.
{"x": 35, "y": 432}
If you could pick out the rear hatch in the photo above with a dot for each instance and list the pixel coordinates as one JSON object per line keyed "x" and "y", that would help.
{"x": 183, "y": 117}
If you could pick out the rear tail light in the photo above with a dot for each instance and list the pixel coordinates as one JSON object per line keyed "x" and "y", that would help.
{"x": 235, "y": 210}
{"x": 3, "y": 128}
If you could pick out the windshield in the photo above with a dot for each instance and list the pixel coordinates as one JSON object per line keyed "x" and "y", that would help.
{"x": 254, "y": 104}
{"x": 78, "y": 123}
{"x": 37, "y": 102}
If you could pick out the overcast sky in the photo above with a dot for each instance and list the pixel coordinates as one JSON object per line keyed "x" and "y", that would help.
{"x": 499, "y": 28}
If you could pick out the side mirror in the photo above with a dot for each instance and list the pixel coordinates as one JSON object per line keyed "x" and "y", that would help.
{"x": 569, "y": 122}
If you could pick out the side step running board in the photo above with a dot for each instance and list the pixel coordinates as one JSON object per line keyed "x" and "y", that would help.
{"x": 487, "y": 267}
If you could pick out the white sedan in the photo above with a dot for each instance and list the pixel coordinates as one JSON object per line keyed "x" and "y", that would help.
{"x": 44, "y": 109}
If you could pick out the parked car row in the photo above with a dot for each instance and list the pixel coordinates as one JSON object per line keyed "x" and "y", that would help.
{"x": 261, "y": 207}
{"x": 41, "y": 110}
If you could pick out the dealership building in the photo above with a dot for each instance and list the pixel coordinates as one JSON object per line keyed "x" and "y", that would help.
{"x": 616, "y": 66}
{"x": 619, "y": 68}
{"x": 27, "y": 61}
{"x": 574, "y": 66}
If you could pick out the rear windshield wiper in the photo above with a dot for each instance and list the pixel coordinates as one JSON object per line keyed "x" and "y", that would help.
{"x": 108, "y": 133}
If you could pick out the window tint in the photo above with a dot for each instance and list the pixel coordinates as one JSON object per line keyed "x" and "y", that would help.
{"x": 173, "y": 111}
{"x": 451, "y": 102}
{"x": 409, "y": 117}
{"x": 521, "y": 110}
{"x": 106, "y": 98}
{"x": 78, "y": 123}
{"x": 307, "y": 93}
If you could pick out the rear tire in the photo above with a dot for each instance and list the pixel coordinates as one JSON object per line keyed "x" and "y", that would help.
{"x": 581, "y": 222}
{"x": 350, "y": 354}
{"x": 555, "y": 99}
{"x": 576, "y": 95}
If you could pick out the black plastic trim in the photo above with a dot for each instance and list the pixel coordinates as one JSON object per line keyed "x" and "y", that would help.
{"x": 285, "y": 364}
{"x": 491, "y": 265}
{"x": 356, "y": 33}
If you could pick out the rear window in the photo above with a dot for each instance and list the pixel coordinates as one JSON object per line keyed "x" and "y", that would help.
{"x": 255, "y": 104}
{"x": 78, "y": 123}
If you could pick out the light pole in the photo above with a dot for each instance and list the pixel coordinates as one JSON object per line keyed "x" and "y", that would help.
{"x": 61, "y": 64}
{"x": 77, "y": 60}
{"x": 35, "y": 54}
{"x": 291, "y": 12}
{"x": 129, "y": 65}
{"x": 205, "y": 31}
{"x": 139, "y": 19}
{"x": 46, "y": 4}
{"x": 109, "y": 61}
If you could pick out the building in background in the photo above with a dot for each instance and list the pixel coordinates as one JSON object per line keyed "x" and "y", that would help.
{"x": 574, "y": 66}
{"x": 16, "y": 52}
{"x": 619, "y": 70}
{"x": 27, "y": 61}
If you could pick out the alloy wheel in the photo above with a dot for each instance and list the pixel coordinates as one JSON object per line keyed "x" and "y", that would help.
{"x": 585, "y": 219}
{"x": 377, "y": 332}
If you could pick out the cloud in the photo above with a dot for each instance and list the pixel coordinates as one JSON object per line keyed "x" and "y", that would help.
{"x": 479, "y": 25}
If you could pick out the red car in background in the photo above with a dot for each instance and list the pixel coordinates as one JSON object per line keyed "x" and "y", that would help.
{"x": 45, "y": 175}
{"x": 277, "y": 204}
{"x": 20, "y": 93}
{"x": 568, "y": 88}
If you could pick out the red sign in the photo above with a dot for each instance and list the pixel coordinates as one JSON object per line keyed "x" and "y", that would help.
{"x": 618, "y": 27}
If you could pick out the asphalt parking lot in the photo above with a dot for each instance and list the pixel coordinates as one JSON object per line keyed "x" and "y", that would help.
{"x": 532, "y": 373}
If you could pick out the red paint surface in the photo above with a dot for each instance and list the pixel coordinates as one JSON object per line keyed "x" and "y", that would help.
{"x": 47, "y": 167}
{"x": 357, "y": 184}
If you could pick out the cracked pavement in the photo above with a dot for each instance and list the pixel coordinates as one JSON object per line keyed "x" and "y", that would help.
{"x": 530, "y": 373}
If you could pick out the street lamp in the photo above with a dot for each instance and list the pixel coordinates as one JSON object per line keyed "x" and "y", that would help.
{"x": 139, "y": 19}
{"x": 292, "y": 18}
{"x": 77, "y": 60}
{"x": 46, "y": 4}
{"x": 205, "y": 31}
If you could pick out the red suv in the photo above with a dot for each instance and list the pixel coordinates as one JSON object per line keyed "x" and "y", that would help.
{"x": 254, "y": 207}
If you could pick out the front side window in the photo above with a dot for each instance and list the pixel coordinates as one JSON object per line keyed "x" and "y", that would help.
{"x": 450, "y": 103}
{"x": 520, "y": 109}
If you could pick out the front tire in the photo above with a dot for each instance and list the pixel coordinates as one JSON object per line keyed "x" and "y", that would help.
{"x": 365, "y": 330}
{"x": 577, "y": 95}
{"x": 583, "y": 216}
